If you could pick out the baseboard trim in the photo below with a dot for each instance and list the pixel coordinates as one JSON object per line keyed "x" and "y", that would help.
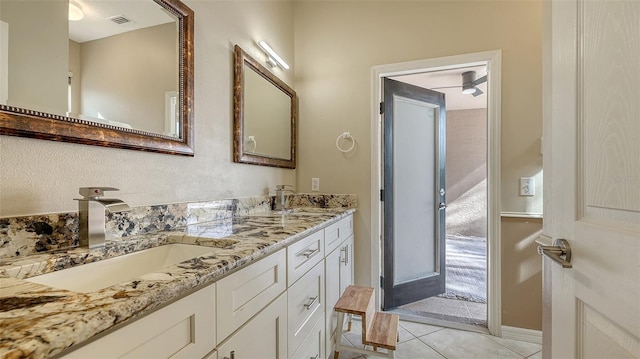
{"x": 522, "y": 334}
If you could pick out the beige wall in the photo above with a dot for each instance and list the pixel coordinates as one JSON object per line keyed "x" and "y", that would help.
{"x": 338, "y": 42}
{"x": 135, "y": 69}
{"x": 521, "y": 273}
{"x": 38, "y": 54}
{"x": 467, "y": 172}
{"x": 39, "y": 176}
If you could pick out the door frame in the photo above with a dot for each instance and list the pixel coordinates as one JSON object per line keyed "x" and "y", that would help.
{"x": 493, "y": 60}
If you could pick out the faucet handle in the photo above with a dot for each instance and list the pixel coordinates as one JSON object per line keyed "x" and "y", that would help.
{"x": 94, "y": 192}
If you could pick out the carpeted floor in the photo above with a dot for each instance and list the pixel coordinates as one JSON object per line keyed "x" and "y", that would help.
{"x": 466, "y": 269}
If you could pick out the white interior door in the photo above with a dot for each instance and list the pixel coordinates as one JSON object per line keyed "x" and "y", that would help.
{"x": 592, "y": 178}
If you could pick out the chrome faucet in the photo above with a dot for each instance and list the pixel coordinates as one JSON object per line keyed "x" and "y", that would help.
{"x": 281, "y": 200}
{"x": 92, "y": 216}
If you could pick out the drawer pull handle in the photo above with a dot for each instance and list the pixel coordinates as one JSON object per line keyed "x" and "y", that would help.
{"x": 233, "y": 355}
{"x": 345, "y": 249}
{"x": 316, "y": 357}
{"x": 310, "y": 252}
{"x": 313, "y": 300}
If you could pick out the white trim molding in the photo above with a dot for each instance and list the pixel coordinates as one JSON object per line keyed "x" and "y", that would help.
{"x": 522, "y": 334}
{"x": 493, "y": 60}
{"x": 521, "y": 215}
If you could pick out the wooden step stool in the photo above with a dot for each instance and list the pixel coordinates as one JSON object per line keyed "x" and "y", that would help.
{"x": 380, "y": 330}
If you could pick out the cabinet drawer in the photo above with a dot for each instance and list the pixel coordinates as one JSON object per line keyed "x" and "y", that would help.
{"x": 313, "y": 345}
{"x": 244, "y": 293}
{"x": 184, "y": 329}
{"x": 306, "y": 305}
{"x": 303, "y": 255}
{"x": 264, "y": 336}
{"x": 336, "y": 233}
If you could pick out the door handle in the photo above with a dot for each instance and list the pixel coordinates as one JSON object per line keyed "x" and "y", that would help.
{"x": 559, "y": 252}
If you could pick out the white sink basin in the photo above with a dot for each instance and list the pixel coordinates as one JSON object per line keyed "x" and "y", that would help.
{"x": 97, "y": 275}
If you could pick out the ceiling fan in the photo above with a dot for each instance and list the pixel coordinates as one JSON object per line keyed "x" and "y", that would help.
{"x": 469, "y": 84}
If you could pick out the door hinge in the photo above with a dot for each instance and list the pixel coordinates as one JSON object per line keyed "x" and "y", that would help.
{"x": 381, "y": 282}
{"x": 381, "y": 108}
{"x": 381, "y": 195}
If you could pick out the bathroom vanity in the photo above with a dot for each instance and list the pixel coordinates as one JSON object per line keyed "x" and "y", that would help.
{"x": 266, "y": 289}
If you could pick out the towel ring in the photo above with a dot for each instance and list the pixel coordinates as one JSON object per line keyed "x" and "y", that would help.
{"x": 252, "y": 139}
{"x": 345, "y": 135}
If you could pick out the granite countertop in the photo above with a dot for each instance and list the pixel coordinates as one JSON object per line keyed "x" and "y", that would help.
{"x": 38, "y": 321}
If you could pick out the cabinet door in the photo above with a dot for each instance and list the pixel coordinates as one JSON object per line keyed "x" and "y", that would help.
{"x": 346, "y": 264}
{"x": 339, "y": 275}
{"x": 263, "y": 337}
{"x": 184, "y": 329}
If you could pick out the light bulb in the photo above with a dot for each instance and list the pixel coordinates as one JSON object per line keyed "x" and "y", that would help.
{"x": 75, "y": 12}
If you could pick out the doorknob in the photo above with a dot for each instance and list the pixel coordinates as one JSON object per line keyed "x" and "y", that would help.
{"x": 560, "y": 252}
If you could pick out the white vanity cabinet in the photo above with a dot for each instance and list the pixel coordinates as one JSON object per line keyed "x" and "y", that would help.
{"x": 183, "y": 329}
{"x": 338, "y": 273}
{"x": 280, "y": 307}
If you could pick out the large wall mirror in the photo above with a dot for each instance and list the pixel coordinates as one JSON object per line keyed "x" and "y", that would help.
{"x": 265, "y": 115}
{"x": 120, "y": 74}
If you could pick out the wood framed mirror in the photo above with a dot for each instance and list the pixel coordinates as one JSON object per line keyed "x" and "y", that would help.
{"x": 265, "y": 115}
{"x": 172, "y": 104}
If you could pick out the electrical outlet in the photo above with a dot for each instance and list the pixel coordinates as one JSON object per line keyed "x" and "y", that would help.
{"x": 527, "y": 186}
{"x": 315, "y": 184}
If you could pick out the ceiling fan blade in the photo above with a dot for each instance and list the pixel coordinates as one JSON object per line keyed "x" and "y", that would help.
{"x": 444, "y": 87}
{"x": 477, "y": 93}
{"x": 477, "y": 82}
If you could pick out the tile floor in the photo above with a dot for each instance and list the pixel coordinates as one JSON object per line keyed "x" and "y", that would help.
{"x": 453, "y": 310}
{"x": 423, "y": 341}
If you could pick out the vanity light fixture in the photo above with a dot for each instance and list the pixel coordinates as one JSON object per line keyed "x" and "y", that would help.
{"x": 273, "y": 58}
{"x": 75, "y": 11}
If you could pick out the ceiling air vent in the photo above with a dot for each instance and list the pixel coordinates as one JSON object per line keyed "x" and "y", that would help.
{"x": 119, "y": 19}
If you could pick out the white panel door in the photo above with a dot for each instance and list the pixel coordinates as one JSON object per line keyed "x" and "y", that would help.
{"x": 592, "y": 178}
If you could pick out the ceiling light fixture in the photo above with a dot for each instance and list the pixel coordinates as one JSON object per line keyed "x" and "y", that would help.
{"x": 75, "y": 12}
{"x": 273, "y": 58}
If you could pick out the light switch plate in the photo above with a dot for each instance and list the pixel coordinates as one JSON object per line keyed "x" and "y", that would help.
{"x": 527, "y": 186}
{"x": 315, "y": 184}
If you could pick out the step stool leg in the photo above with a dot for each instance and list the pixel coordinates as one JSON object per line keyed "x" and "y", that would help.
{"x": 349, "y": 319}
{"x": 338, "y": 345}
